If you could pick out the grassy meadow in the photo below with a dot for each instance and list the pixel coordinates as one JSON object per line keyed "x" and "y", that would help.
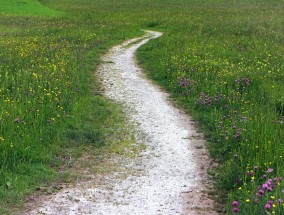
{"x": 222, "y": 61}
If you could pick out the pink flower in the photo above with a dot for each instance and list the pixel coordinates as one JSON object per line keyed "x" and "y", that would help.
{"x": 267, "y": 207}
{"x": 236, "y": 210}
{"x": 16, "y": 120}
{"x": 235, "y": 203}
{"x": 270, "y": 170}
{"x": 261, "y": 192}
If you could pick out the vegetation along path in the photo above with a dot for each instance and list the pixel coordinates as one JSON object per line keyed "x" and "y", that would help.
{"x": 168, "y": 177}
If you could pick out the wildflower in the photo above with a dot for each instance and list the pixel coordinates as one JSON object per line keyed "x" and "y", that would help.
{"x": 236, "y": 210}
{"x": 235, "y": 203}
{"x": 267, "y": 207}
{"x": 16, "y": 120}
{"x": 255, "y": 167}
{"x": 270, "y": 202}
{"x": 270, "y": 170}
{"x": 265, "y": 186}
{"x": 247, "y": 200}
{"x": 261, "y": 192}
{"x": 238, "y": 181}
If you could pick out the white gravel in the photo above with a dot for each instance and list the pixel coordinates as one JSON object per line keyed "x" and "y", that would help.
{"x": 168, "y": 177}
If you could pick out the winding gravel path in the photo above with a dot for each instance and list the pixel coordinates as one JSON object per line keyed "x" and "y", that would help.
{"x": 169, "y": 177}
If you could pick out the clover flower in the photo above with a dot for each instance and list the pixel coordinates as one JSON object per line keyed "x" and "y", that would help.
{"x": 267, "y": 207}
{"x": 235, "y": 203}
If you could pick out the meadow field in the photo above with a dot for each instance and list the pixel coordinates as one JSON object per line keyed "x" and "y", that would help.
{"x": 221, "y": 60}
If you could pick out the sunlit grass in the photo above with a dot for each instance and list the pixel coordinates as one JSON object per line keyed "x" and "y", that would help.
{"x": 26, "y": 8}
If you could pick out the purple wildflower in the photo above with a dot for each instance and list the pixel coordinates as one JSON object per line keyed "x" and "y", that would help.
{"x": 235, "y": 203}
{"x": 236, "y": 210}
{"x": 261, "y": 192}
{"x": 267, "y": 207}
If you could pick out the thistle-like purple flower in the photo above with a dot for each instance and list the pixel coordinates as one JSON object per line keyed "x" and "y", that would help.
{"x": 236, "y": 210}
{"x": 235, "y": 203}
{"x": 267, "y": 207}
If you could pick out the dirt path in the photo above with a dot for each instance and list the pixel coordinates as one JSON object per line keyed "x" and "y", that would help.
{"x": 168, "y": 178}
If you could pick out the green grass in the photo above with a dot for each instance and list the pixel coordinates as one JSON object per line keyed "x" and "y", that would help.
{"x": 26, "y": 8}
{"x": 222, "y": 60}
{"x": 49, "y": 105}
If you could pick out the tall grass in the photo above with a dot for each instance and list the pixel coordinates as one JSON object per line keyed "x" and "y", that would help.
{"x": 49, "y": 101}
{"x": 223, "y": 61}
